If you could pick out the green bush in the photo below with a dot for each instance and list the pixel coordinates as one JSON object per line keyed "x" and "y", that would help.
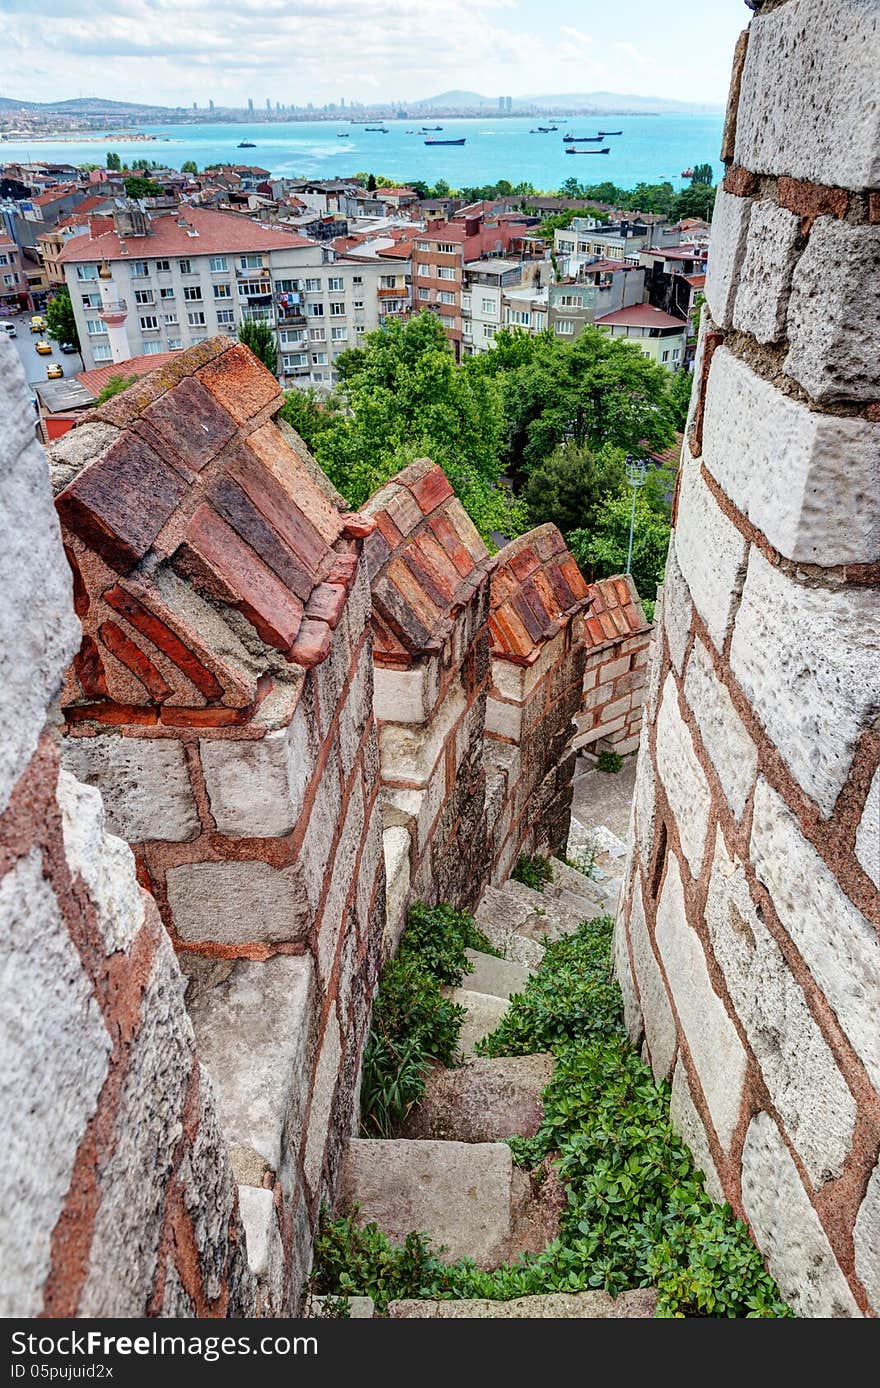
{"x": 609, "y": 761}
{"x": 412, "y": 1023}
{"x": 532, "y": 871}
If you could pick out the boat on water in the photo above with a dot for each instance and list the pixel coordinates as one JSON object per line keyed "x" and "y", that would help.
{"x": 343, "y": 135}
{"x": 376, "y": 129}
{"x": 446, "y": 142}
{"x": 582, "y": 139}
{"x": 544, "y": 129}
{"x": 687, "y": 173}
{"x": 246, "y": 144}
{"x": 603, "y": 134}
{"x": 571, "y": 150}
{"x": 432, "y": 127}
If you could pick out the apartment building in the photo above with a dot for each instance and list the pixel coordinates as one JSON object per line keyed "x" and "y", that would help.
{"x": 487, "y": 305}
{"x": 163, "y": 283}
{"x": 657, "y": 334}
{"x": 14, "y": 291}
{"x": 588, "y": 239}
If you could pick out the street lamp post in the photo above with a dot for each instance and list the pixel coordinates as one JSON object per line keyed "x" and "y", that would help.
{"x": 636, "y": 476}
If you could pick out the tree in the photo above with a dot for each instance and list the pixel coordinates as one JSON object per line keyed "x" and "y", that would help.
{"x": 189, "y": 166}
{"x": 138, "y": 187}
{"x": 60, "y": 320}
{"x": 570, "y": 486}
{"x": 371, "y": 183}
{"x": 113, "y": 161}
{"x": 602, "y": 550}
{"x": 115, "y": 386}
{"x": 703, "y": 173}
{"x": 680, "y": 387}
{"x": 260, "y": 337}
{"x": 592, "y": 392}
{"x": 696, "y": 201}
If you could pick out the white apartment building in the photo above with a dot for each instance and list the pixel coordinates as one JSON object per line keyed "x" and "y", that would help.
{"x": 487, "y": 306}
{"x": 165, "y": 283}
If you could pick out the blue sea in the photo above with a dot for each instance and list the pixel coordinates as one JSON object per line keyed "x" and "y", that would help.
{"x": 650, "y": 149}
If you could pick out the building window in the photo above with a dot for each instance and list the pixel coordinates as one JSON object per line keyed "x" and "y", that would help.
{"x": 294, "y": 359}
{"x": 291, "y": 337}
{"x": 424, "y": 293}
{"x": 251, "y": 262}
{"x": 358, "y": 305}
{"x": 571, "y": 301}
{"x": 446, "y": 247}
{"x": 225, "y": 316}
{"x": 445, "y": 272}
{"x": 87, "y": 272}
{"x": 423, "y": 245}
{"x": 446, "y": 297}
{"x": 175, "y": 344}
{"x": 319, "y": 358}
{"x": 339, "y": 334}
{"x": 335, "y": 284}
{"x": 163, "y": 266}
{"x": 143, "y": 296}
{"x": 313, "y": 286}
{"x": 222, "y": 291}
{"x": 94, "y": 327}
{"x": 166, "y": 294}
{"x": 149, "y": 323}
{"x": 218, "y": 264}
{"x": 357, "y": 279}
{"x": 488, "y": 329}
{"x": 140, "y": 270}
{"x": 565, "y": 327}
{"x": 255, "y": 288}
{"x": 676, "y": 353}
{"x": 169, "y": 319}
{"x": 488, "y": 305}
{"x": 101, "y": 351}
{"x": 425, "y": 272}
{"x": 192, "y": 293}
{"x": 185, "y": 267}
{"x": 387, "y": 281}
{"x": 317, "y": 335}
{"x": 196, "y": 320}
{"x": 337, "y": 310}
{"x": 315, "y": 310}
{"x": 287, "y": 286}
{"x": 447, "y": 321}
{"x": 150, "y": 349}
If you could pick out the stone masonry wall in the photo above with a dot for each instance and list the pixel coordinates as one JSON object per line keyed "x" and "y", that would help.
{"x": 118, "y": 1198}
{"x": 616, "y": 636}
{"x": 221, "y": 700}
{"x": 747, "y": 940}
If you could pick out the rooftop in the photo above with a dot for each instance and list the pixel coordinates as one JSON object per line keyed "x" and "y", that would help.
{"x": 615, "y": 611}
{"x": 640, "y": 316}
{"x": 216, "y": 233}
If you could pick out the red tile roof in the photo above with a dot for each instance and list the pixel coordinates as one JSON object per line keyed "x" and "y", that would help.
{"x": 95, "y": 380}
{"x": 536, "y": 588}
{"x": 218, "y": 232}
{"x": 698, "y": 281}
{"x": 666, "y": 457}
{"x": 615, "y": 611}
{"x": 641, "y": 316}
{"x": 425, "y": 559}
{"x": 194, "y": 504}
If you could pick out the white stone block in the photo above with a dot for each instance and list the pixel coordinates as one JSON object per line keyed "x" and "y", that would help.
{"x": 405, "y": 696}
{"x": 504, "y": 720}
{"x": 257, "y": 788}
{"x": 808, "y": 99}
{"x": 238, "y": 902}
{"x": 55, "y": 1054}
{"x": 771, "y": 251}
{"x": 396, "y": 847}
{"x": 731, "y": 750}
{"x": 689, "y": 1125}
{"x": 866, "y": 1240}
{"x": 678, "y": 610}
{"x": 716, "y": 1050}
{"x": 39, "y": 634}
{"x": 868, "y": 833}
{"x": 409, "y": 753}
{"x": 787, "y": 1229}
{"x": 711, "y": 552}
{"x": 323, "y": 1091}
{"x": 809, "y": 481}
{"x": 730, "y": 221}
{"x": 839, "y": 946}
{"x": 834, "y": 313}
{"x": 808, "y": 1091}
{"x": 656, "y": 1011}
{"x": 509, "y": 680}
{"x": 806, "y": 659}
{"x": 104, "y": 862}
{"x": 333, "y": 915}
{"x": 264, "y": 1248}
{"x": 144, "y": 783}
{"x": 323, "y": 818}
{"x": 644, "y": 800}
{"x": 632, "y": 1008}
{"x": 683, "y": 778}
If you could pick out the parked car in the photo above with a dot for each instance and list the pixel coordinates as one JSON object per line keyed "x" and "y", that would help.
{"x": 67, "y": 347}
{"x": 9, "y": 329}
{"x": 38, "y": 323}
{"x": 43, "y": 347}
{"x": 54, "y": 370}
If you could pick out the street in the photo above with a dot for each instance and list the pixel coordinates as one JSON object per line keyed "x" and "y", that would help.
{"x": 35, "y": 365}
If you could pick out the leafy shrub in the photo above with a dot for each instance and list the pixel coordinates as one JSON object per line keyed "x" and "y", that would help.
{"x": 583, "y": 859}
{"x": 532, "y": 872}
{"x": 412, "y": 1023}
{"x": 609, "y": 761}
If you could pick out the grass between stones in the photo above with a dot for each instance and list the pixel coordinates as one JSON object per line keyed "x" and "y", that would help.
{"x": 637, "y": 1212}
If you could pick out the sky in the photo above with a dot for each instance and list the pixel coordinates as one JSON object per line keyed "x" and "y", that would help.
{"x": 174, "y": 52}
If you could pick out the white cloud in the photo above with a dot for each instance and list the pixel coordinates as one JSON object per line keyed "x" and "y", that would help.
{"x": 635, "y": 55}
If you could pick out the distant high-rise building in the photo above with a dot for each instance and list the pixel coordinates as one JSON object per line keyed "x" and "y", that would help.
{"x": 210, "y": 105}
{"x": 268, "y": 104}
{"x": 250, "y": 103}
{"x": 501, "y": 103}
{"x": 508, "y": 103}
{"x": 277, "y": 105}
{"x": 195, "y": 105}
{"x": 342, "y": 103}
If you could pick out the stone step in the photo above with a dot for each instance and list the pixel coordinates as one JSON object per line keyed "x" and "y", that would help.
{"x": 360, "y": 1308}
{"x": 499, "y": 977}
{"x": 464, "y": 1195}
{"x": 636, "y": 1305}
{"x": 483, "y": 1101}
{"x": 499, "y": 916}
{"x": 484, "y": 1012}
{"x": 549, "y": 918}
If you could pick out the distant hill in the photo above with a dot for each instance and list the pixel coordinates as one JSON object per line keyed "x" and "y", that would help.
{"x": 612, "y": 102}
{"x": 458, "y": 99}
{"x": 82, "y": 106}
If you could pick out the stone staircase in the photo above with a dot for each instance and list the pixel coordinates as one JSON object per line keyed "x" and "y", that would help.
{"x": 450, "y": 1173}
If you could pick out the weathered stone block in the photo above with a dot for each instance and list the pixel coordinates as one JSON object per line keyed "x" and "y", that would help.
{"x": 802, "y": 109}
{"x": 787, "y": 1228}
{"x": 504, "y": 720}
{"x": 732, "y": 751}
{"x": 678, "y": 609}
{"x": 834, "y": 313}
{"x": 257, "y": 788}
{"x": 716, "y": 1050}
{"x": 683, "y": 778}
{"x": 632, "y": 1008}
{"x": 866, "y": 1239}
{"x": 55, "y": 1050}
{"x": 323, "y": 818}
{"x": 840, "y": 947}
{"x": 255, "y": 1034}
{"x": 807, "y": 1089}
{"x": 406, "y": 696}
{"x": 711, "y": 553}
{"x": 656, "y": 1011}
{"x": 409, "y": 752}
{"x": 771, "y": 250}
{"x": 264, "y": 1248}
{"x": 343, "y": 866}
{"x": 396, "y": 847}
{"x": 806, "y": 659}
{"x": 105, "y": 863}
{"x": 730, "y": 221}
{"x": 144, "y": 783}
{"x": 323, "y": 1091}
{"x": 644, "y": 800}
{"x": 237, "y": 902}
{"x": 39, "y": 634}
{"x": 809, "y": 481}
{"x": 868, "y": 833}
{"x": 688, "y": 1123}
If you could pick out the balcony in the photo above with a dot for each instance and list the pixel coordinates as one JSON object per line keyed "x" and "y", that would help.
{"x": 114, "y": 306}
{"x": 390, "y": 293}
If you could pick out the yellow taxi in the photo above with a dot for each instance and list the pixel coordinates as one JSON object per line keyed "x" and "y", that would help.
{"x": 54, "y": 370}
{"x": 43, "y": 347}
{"x": 38, "y": 323}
